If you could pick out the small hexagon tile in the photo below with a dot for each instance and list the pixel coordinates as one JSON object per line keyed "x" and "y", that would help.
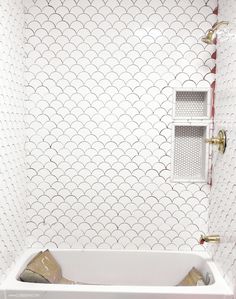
{"x": 223, "y": 195}
{"x": 12, "y": 134}
{"x": 100, "y": 76}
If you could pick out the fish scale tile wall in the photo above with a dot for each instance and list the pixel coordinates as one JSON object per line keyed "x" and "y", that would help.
{"x": 222, "y": 198}
{"x": 12, "y": 134}
{"x": 100, "y": 78}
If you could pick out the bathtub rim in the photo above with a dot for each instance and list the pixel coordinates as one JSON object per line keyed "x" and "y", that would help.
{"x": 219, "y": 287}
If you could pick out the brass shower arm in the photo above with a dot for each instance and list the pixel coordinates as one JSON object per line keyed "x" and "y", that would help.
{"x": 211, "y": 33}
{"x": 217, "y": 25}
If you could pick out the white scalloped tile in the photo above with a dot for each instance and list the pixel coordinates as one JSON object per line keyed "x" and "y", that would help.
{"x": 12, "y": 134}
{"x": 222, "y": 198}
{"x": 100, "y": 78}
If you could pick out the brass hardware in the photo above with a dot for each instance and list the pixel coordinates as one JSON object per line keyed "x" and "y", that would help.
{"x": 219, "y": 140}
{"x": 210, "y": 36}
{"x": 209, "y": 239}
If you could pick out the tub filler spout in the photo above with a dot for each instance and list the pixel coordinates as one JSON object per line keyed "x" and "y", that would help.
{"x": 209, "y": 239}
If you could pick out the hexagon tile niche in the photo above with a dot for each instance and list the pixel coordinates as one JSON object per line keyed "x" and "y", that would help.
{"x": 12, "y": 134}
{"x": 222, "y": 199}
{"x": 100, "y": 78}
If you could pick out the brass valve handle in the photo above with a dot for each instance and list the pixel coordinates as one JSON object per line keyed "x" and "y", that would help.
{"x": 219, "y": 140}
{"x": 214, "y": 140}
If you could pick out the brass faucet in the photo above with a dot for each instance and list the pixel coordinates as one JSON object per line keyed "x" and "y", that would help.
{"x": 209, "y": 239}
{"x": 219, "y": 140}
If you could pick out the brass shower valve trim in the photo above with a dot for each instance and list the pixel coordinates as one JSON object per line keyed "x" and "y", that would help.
{"x": 219, "y": 140}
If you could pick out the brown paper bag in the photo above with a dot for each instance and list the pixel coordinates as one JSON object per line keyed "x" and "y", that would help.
{"x": 193, "y": 278}
{"x": 43, "y": 268}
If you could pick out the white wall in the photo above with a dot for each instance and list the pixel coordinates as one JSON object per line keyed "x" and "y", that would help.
{"x": 100, "y": 81}
{"x": 222, "y": 198}
{"x": 12, "y": 134}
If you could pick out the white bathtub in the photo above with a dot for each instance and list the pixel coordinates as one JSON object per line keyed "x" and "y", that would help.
{"x": 121, "y": 275}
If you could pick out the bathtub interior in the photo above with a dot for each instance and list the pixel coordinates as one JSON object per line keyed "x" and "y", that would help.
{"x": 120, "y": 274}
{"x": 127, "y": 268}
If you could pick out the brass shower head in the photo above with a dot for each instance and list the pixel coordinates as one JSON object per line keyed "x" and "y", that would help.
{"x": 210, "y": 36}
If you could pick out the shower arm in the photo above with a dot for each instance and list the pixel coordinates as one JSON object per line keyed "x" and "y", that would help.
{"x": 217, "y": 25}
{"x": 210, "y": 35}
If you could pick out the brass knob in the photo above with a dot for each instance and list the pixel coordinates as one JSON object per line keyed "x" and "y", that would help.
{"x": 219, "y": 140}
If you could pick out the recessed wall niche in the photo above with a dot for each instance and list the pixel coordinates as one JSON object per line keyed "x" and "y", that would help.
{"x": 192, "y": 104}
{"x": 191, "y": 113}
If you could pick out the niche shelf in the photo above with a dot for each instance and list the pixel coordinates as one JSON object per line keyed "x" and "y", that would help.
{"x": 190, "y": 152}
{"x": 192, "y": 104}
